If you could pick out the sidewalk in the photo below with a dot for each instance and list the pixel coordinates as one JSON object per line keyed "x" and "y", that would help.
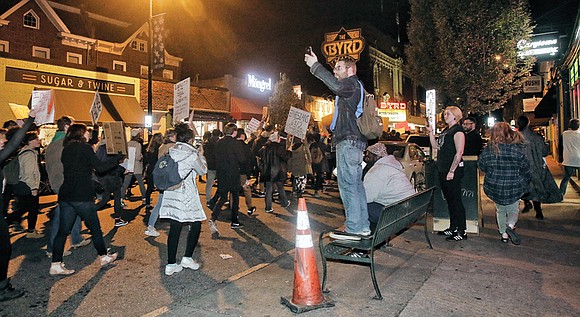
{"x": 477, "y": 277}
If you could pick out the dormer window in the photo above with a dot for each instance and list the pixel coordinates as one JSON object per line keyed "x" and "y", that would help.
{"x": 31, "y": 20}
{"x": 139, "y": 45}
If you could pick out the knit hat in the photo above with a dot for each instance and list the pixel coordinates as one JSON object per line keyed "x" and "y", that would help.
{"x": 273, "y": 137}
{"x": 135, "y": 132}
{"x": 378, "y": 149}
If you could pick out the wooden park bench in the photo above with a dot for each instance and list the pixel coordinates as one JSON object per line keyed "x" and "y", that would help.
{"x": 394, "y": 218}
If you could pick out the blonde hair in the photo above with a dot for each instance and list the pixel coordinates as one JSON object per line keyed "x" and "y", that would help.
{"x": 456, "y": 112}
{"x": 502, "y": 133}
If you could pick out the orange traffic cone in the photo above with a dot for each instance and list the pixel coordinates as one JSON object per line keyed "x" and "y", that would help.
{"x": 307, "y": 294}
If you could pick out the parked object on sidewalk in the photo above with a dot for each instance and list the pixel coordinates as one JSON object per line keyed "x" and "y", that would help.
{"x": 307, "y": 294}
{"x": 393, "y": 219}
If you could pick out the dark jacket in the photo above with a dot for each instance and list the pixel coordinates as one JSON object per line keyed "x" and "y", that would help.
{"x": 274, "y": 157}
{"x": 249, "y": 159}
{"x": 473, "y": 143}
{"x": 348, "y": 91}
{"x": 543, "y": 188}
{"x": 229, "y": 159}
{"x": 111, "y": 179}
{"x": 79, "y": 160}
{"x": 209, "y": 152}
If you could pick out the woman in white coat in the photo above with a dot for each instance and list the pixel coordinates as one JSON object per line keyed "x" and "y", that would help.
{"x": 182, "y": 205}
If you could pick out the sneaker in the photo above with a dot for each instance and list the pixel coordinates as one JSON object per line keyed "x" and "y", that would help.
{"x": 123, "y": 205}
{"x": 287, "y": 205}
{"x": 34, "y": 234}
{"x": 447, "y": 232}
{"x": 341, "y": 235}
{"x": 120, "y": 222}
{"x": 189, "y": 263}
{"x": 236, "y": 225}
{"x": 58, "y": 268}
{"x": 251, "y": 211}
{"x": 269, "y": 211}
{"x": 81, "y": 244}
{"x": 152, "y": 232}
{"x": 108, "y": 258}
{"x": 172, "y": 268}
{"x": 9, "y": 292}
{"x": 513, "y": 236}
{"x": 261, "y": 194}
{"x": 212, "y": 226}
{"x": 144, "y": 201}
{"x": 457, "y": 236}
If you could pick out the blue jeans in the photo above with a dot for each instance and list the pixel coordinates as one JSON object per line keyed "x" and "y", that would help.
{"x": 155, "y": 211}
{"x": 75, "y": 233}
{"x": 568, "y": 172}
{"x": 68, "y": 214}
{"x": 349, "y": 156}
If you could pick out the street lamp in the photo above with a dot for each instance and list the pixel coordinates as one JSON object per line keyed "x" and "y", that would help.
{"x": 149, "y": 118}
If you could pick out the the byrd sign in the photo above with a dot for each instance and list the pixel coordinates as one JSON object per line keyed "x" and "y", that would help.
{"x": 343, "y": 43}
{"x": 262, "y": 84}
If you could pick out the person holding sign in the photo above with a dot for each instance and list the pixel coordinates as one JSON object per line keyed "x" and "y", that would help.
{"x": 347, "y": 139}
{"x": 135, "y": 165}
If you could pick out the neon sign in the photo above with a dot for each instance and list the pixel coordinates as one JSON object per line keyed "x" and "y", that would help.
{"x": 343, "y": 43}
{"x": 262, "y": 85}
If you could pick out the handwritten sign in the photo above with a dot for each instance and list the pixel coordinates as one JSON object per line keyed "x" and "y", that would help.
{"x": 43, "y": 103}
{"x": 181, "y": 100}
{"x": 297, "y": 122}
{"x": 115, "y": 137}
{"x": 96, "y": 108}
{"x": 252, "y": 125}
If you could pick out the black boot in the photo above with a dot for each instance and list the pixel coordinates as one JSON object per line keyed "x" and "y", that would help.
{"x": 527, "y": 206}
{"x": 538, "y": 209}
{"x": 7, "y": 292}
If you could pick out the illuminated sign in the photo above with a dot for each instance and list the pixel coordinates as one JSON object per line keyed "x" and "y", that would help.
{"x": 394, "y": 115}
{"x": 18, "y": 75}
{"x": 533, "y": 84}
{"x": 393, "y": 105}
{"x": 537, "y": 47}
{"x": 343, "y": 43}
{"x": 262, "y": 85}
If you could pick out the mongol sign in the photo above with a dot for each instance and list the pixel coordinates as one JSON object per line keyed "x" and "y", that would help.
{"x": 343, "y": 43}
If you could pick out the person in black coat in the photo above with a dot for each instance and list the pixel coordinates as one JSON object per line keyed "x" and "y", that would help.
{"x": 229, "y": 159}
{"x": 273, "y": 158}
{"x": 209, "y": 152}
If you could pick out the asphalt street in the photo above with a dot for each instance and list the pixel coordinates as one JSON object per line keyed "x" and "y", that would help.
{"x": 477, "y": 277}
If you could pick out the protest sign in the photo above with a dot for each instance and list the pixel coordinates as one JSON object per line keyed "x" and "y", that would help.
{"x": 297, "y": 122}
{"x": 43, "y": 103}
{"x": 181, "y": 100}
{"x": 252, "y": 125}
{"x": 96, "y": 108}
{"x": 115, "y": 137}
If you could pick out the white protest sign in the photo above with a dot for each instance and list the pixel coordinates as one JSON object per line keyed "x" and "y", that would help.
{"x": 181, "y": 100}
{"x": 431, "y": 108}
{"x": 297, "y": 122}
{"x": 132, "y": 155}
{"x": 96, "y": 108}
{"x": 43, "y": 103}
{"x": 252, "y": 125}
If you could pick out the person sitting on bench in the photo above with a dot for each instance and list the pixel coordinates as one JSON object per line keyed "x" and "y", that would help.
{"x": 385, "y": 182}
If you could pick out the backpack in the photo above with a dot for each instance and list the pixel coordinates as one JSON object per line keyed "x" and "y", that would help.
{"x": 316, "y": 155}
{"x": 370, "y": 124}
{"x": 166, "y": 174}
{"x": 11, "y": 170}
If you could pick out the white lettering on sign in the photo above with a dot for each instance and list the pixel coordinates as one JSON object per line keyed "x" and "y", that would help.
{"x": 259, "y": 84}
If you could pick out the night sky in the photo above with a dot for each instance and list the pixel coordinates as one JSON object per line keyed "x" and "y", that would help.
{"x": 267, "y": 37}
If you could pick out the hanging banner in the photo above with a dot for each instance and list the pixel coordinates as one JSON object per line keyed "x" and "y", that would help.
{"x": 43, "y": 103}
{"x": 297, "y": 122}
{"x": 96, "y": 108}
{"x": 181, "y": 100}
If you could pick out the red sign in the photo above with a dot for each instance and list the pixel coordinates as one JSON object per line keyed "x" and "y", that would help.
{"x": 393, "y": 105}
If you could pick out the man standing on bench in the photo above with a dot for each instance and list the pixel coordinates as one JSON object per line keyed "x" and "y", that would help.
{"x": 348, "y": 140}
{"x": 385, "y": 182}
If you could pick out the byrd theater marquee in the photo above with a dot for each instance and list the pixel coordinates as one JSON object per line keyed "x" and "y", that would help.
{"x": 343, "y": 43}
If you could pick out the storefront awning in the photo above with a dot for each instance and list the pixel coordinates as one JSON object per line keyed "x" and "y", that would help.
{"x": 548, "y": 105}
{"x": 244, "y": 109}
{"x": 115, "y": 108}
